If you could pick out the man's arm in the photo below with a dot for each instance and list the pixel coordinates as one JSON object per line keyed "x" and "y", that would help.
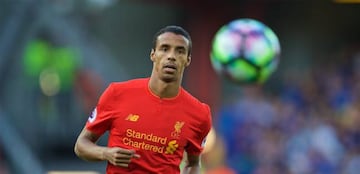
{"x": 193, "y": 165}
{"x": 87, "y": 149}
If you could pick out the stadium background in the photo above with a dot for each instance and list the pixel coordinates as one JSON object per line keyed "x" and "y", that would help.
{"x": 303, "y": 120}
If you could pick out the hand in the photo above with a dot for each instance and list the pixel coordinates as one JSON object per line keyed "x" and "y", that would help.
{"x": 119, "y": 156}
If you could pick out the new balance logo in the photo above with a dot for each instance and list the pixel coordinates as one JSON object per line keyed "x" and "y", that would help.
{"x": 132, "y": 117}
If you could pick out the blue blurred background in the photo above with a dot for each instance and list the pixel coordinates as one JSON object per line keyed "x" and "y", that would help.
{"x": 57, "y": 56}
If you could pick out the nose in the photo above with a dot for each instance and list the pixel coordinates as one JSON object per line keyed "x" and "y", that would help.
{"x": 171, "y": 56}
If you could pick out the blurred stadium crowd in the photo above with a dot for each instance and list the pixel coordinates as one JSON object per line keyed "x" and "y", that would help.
{"x": 310, "y": 126}
{"x": 54, "y": 63}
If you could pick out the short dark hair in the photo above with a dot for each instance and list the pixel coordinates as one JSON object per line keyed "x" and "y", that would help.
{"x": 173, "y": 29}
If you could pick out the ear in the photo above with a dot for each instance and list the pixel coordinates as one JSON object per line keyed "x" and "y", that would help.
{"x": 152, "y": 55}
{"x": 188, "y": 60}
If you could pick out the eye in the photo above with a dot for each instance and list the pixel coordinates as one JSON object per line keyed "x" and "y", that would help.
{"x": 181, "y": 51}
{"x": 164, "y": 48}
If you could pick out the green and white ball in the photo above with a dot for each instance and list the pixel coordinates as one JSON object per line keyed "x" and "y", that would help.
{"x": 246, "y": 51}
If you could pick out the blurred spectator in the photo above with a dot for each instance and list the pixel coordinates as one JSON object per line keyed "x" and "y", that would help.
{"x": 88, "y": 87}
{"x": 214, "y": 159}
{"x": 4, "y": 168}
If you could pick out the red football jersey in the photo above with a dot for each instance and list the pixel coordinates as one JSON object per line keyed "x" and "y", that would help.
{"x": 158, "y": 129}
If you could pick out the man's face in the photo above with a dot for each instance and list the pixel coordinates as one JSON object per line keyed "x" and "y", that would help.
{"x": 170, "y": 56}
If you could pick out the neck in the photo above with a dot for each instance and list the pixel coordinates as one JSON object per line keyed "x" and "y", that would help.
{"x": 164, "y": 89}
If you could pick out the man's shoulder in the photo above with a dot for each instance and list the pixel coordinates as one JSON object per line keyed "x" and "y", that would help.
{"x": 132, "y": 83}
{"x": 200, "y": 110}
{"x": 192, "y": 100}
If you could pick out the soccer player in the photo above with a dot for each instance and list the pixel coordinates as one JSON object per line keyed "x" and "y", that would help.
{"x": 151, "y": 121}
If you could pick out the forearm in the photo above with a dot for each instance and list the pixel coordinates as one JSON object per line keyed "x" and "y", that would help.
{"x": 193, "y": 165}
{"x": 89, "y": 151}
{"x": 191, "y": 170}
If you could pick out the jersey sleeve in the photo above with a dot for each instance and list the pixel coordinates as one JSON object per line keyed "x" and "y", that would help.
{"x": 100, "y": 119}
{"x": 196, "y": 144}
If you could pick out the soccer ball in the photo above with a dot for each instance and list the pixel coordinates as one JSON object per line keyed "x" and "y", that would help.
{"x": 246, "y": 51}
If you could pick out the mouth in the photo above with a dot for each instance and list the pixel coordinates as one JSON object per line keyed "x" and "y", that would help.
{"x": 170, "y": 68}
